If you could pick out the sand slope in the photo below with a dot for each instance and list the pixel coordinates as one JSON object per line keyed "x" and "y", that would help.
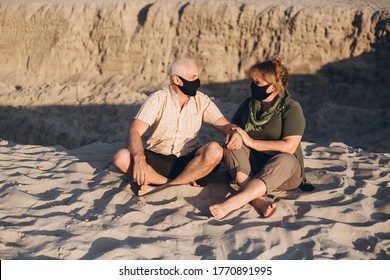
{"x": 56, "y": 40}
{"x": 72, "y": 204}
{"x": 75, "y": 72}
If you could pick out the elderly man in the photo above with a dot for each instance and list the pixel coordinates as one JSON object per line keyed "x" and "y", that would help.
{"x": 175, "y": 115}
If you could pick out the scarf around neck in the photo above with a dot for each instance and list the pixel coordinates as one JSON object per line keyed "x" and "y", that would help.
{"x": 258, "y": 119}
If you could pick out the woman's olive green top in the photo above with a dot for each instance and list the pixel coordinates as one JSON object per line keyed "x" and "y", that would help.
{"x": 290, "y": 121}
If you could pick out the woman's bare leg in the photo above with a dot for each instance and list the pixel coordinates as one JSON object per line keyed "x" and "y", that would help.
{"x": 253, "y": 192}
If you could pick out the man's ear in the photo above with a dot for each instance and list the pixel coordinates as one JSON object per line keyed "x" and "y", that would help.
{"x": 176, "y": 80}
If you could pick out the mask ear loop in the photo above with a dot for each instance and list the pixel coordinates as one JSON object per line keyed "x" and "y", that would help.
{"x": 270, "y": 85}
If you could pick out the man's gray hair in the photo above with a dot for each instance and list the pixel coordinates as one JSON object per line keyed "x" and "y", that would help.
{"x": 178, "y": 66}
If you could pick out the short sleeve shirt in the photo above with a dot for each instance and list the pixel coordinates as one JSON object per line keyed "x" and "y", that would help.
{"x": 291, "y": 122}
{"x": 174, "y": 130}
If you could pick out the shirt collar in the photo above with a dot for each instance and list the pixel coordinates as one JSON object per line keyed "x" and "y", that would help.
{"x": 172, "y": 92}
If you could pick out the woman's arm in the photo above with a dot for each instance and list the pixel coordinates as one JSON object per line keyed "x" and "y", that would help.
{"x": 288, "y": 144}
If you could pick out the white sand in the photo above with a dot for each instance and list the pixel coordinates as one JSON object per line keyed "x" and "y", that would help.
{"x": 72, "y": 204}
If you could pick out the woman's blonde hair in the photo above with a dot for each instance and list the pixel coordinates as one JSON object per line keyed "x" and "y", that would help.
{"x": 273, "y": 72}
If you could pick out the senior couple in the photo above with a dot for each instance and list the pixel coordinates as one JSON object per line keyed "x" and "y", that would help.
{"x": 262, "y": 151}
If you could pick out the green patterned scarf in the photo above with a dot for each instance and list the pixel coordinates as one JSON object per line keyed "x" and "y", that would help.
{"x": 257, "y": 120}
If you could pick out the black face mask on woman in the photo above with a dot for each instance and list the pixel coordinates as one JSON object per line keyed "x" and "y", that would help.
{"x": 259, "y": 93}
{"x": 189, "y": 87}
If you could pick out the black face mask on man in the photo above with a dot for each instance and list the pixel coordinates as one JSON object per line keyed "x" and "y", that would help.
{"x": 189, "y": 87}
{"x": 259, "y": 93}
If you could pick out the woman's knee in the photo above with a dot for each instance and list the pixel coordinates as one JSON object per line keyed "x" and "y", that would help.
{"x": 285, "y": 162}
{"x": 286, "y": 158}
{"x": 237, "y": 161}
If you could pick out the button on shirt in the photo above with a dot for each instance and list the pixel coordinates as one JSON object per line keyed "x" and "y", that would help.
{"x": 174, "y": 130}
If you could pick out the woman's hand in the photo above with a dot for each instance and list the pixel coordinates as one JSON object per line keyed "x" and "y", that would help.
{"x": 248, "y": 141}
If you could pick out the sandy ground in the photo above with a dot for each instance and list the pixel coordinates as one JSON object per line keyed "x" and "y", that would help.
{"x": 73, "y": 204}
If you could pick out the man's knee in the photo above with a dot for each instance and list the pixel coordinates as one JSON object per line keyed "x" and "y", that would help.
{"x": 213, "y": 153}
{"x": 122, "y": 158}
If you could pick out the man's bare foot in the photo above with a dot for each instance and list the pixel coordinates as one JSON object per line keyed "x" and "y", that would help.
{"x": 145, "y": 189}
{"x": 218, "y": 211}
{"x": 194, "y": 184}
{"x": 266, "y": 208}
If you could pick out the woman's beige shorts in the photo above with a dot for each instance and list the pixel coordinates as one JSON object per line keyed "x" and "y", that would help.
{"x": 281, "y": 171}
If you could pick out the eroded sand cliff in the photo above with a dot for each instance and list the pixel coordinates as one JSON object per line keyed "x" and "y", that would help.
{"x": 58, "y": 39}
{"x": 59, "y": 56}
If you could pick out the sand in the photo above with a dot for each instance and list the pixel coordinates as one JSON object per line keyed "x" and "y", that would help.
{"x": 73, "y": 204}
{"x": 74, "y": 73}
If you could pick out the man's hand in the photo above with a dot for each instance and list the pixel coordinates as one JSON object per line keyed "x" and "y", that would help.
{"x": 233, "y": 140}
{"x": 140, "y": 167}
{"x": 140, "y": 171}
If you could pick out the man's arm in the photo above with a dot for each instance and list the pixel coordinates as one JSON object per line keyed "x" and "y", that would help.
{"x": 233, "y": 140}
{"x": 134, "y": 144}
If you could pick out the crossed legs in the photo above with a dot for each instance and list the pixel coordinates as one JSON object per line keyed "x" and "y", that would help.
{"x": 280, "y": 172}
{"x": 253, "y": 191}
{"x": 206, "y": 159}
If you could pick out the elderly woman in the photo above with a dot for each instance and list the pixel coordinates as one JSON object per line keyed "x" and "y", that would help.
{"x": 271, "y": 125}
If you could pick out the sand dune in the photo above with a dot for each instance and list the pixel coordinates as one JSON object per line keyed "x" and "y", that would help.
{"x": 54, "y": 41}
{"x": 90, "y": 64}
